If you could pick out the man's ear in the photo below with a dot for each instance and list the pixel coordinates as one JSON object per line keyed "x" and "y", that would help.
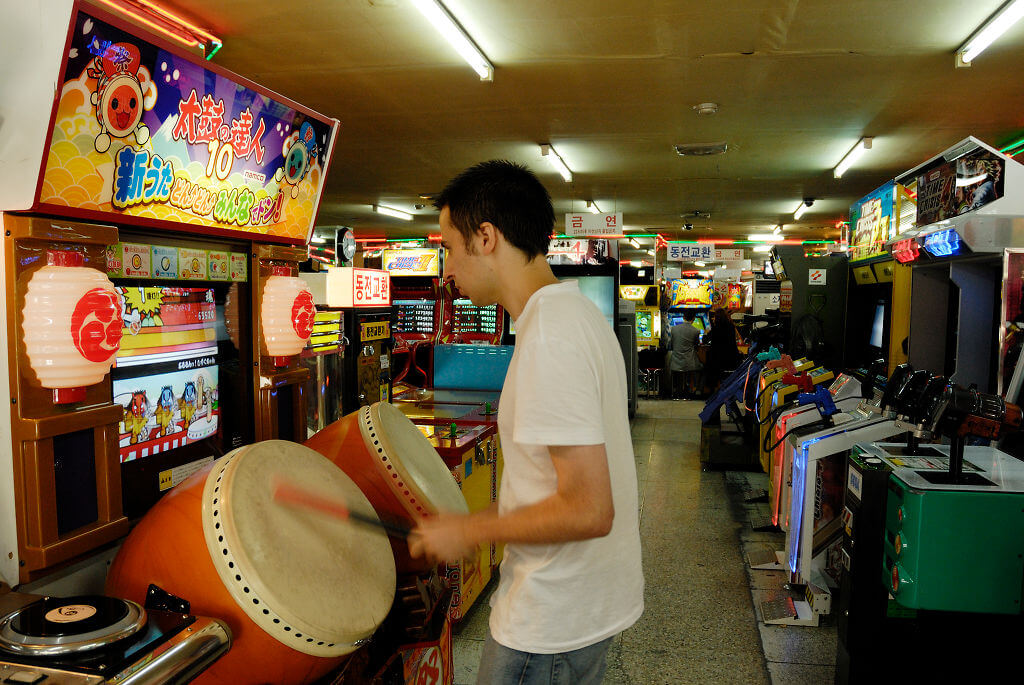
{"x": 487, "y": 237}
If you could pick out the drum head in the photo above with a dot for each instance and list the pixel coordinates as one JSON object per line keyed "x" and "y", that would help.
{"x": 318, "y": 584}
{"x": 411, "y": 465}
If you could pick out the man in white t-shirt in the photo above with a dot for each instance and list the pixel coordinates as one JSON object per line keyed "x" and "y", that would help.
{"x": 571, "y": 578}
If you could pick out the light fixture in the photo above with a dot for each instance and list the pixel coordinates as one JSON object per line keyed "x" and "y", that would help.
{"x": 996, "y": 25}
{"x": 636, "y": 265}
{"x": 318, "y": 239}
{"x": 445, "y": 23}
{"x": 635, "y": 243}
{"x": 650, "y": 252}
{"x": 761, "y": 248}
{"x": 547, "y": 151}
{"x": 167, "y": 24}
{"x": 287, "y": 313}
{"x": 852, "y": 156}
{"x": 777, "y": 230}
{"x": 804, "y": 205}
{"x": 592, "y": 206}
{"x": 699, "y": 264}
{"x": 765, "y": 237}
{"x": 390, "y": 211}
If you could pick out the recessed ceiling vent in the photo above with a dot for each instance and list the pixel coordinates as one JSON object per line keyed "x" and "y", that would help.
{"x": 701, "y": 149}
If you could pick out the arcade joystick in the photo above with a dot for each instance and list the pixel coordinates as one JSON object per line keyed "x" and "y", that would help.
{"x": 899, "y": 377}
{"x": 783, "y": 362}
{"x": 822, "y": 399}
{"x": 957, "y": 413}
{"x": 802, "y": 381}
{"x": 771, "y": 355}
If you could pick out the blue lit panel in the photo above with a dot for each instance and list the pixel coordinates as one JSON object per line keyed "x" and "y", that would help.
{"x": 943, "y": 243}
{"x": 796, "y": 506}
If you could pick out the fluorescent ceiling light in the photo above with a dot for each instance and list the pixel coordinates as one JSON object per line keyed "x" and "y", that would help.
{"x": 803, "y": 207}
{"x": 699, "y": 264}
{"x": 650, "y": 252}
{"x": 765, "y": 237}
{"x": 556, "y": 161}
{"x": 777, "y": 230}
{"x": 318, "y": 239}
{"x": 761, "y": 248}
{"x": 852, "y": 156}
{"x": 1005, "y": 17}
{"x": 390, "y": 211}
{"x": 446, "y": 25}
{"x": 592, "y": 206}
{"x": 635, "y": 265}
{"x": 635, "y": 243}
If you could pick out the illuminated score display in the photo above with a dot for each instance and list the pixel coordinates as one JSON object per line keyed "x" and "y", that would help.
{"x": 357, "y": 287}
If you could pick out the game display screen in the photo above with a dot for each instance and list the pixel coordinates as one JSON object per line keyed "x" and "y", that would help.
{"x": 878, "y": 326}
{"x": 701, "y": 321}
{"x": 469, "y": 318}
{"x": 166, "y": 372}
{"x": 601, "y": 291}
{"x": 414, "y": 316}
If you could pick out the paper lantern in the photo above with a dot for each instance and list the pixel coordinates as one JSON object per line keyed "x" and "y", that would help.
{"x": 72, "y": 325}
{"x": 287, "y": 314}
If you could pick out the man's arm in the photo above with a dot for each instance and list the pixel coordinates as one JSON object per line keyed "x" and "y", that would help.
{"x": 581, "y": 508}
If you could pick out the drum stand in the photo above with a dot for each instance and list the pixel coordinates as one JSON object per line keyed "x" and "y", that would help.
{"x": 414, "y": 639}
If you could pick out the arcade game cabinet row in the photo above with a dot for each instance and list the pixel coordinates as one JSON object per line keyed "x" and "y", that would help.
{"x": 154, "y": 214}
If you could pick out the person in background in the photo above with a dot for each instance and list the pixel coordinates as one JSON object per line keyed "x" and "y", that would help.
{"x": 683, "y": 362}
{"x": 571, "y": 578}
{"x": 723, "y": 352}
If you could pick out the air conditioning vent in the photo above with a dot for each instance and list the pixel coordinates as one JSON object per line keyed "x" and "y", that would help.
{"x": 701, "y": 149}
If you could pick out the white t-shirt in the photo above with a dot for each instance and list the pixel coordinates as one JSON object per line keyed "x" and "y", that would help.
{"x": 566, "y": 385}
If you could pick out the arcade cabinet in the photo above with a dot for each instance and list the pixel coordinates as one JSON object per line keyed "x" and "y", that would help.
{"x": 160, "y": 242}
{"x": 418, "y": 311}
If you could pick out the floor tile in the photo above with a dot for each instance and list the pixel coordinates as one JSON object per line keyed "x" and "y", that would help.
{"x": 800, "y": 674}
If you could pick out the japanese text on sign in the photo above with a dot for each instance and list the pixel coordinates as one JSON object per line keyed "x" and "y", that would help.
{"x": 593, "y": 224}
{"x": 680, "y": 253}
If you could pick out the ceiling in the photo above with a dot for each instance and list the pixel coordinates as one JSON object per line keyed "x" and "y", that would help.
{"x": 613, "y": 86}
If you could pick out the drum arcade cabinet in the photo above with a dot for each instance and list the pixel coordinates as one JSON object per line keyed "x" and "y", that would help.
{"x": 149, "y": 224}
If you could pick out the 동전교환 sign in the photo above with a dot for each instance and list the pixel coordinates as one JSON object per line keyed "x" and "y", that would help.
{"x": 678, "y": 252}
{"x": 147, "y": 134}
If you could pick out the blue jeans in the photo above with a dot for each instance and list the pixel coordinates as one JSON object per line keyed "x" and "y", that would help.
{"x": 500, "y": 665}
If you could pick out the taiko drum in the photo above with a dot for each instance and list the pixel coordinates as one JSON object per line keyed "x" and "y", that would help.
{"x": 299, "y": 590}
{"x": 395, "y": 466}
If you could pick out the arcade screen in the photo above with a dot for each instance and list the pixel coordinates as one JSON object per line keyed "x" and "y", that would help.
{"x": 468, "y": 318}
{"x": 601, "y": 291}
{"x": 877, "y": 339}
{"x": 702, "y": 322}
{"x": 414, "y": 316}
{"x": 166, "y": 373}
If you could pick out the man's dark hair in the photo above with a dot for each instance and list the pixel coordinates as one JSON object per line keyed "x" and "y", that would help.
{"x": 506, "y": 194}
{"x": 689, "y": 315}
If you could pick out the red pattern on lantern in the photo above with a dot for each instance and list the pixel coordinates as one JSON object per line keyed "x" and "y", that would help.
{"x": 303, "y": 312}
{"x": 96, "y": 325}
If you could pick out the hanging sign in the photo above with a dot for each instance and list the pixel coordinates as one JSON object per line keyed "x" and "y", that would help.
{"x": 731, "y": 254}
{"x": 688, "y": 252}
{"x": 146, "y": 134}
{"x": 593, "y": 224}
{"x": 349, "y": 286}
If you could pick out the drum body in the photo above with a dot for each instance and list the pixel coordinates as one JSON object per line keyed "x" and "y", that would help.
{"x": 298, "y": 589}
{"x": 395, "y": 466}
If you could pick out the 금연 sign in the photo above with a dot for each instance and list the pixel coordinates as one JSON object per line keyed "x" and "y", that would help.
{"x": 593, "y": 224}
{"x": 687, "y": 253}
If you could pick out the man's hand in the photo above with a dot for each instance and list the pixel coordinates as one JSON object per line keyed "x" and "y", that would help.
{"x": 445, "y": 537}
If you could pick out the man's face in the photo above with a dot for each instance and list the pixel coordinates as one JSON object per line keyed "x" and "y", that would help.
{"x": 462, "y": 266}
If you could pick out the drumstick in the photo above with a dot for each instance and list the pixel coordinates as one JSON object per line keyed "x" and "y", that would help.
{"x": 287, "y": 493}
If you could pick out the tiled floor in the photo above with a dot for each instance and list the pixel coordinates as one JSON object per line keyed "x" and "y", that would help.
{"x": 700, "y": 624}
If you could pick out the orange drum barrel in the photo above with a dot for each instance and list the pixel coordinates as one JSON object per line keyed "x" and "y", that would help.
{"x": 298, "y": 589}
{"x": 395, "y": 466}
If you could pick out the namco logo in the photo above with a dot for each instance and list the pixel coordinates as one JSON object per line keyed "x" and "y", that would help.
{"x": 303, "y": 313}
{"x": 96, "y": 325}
